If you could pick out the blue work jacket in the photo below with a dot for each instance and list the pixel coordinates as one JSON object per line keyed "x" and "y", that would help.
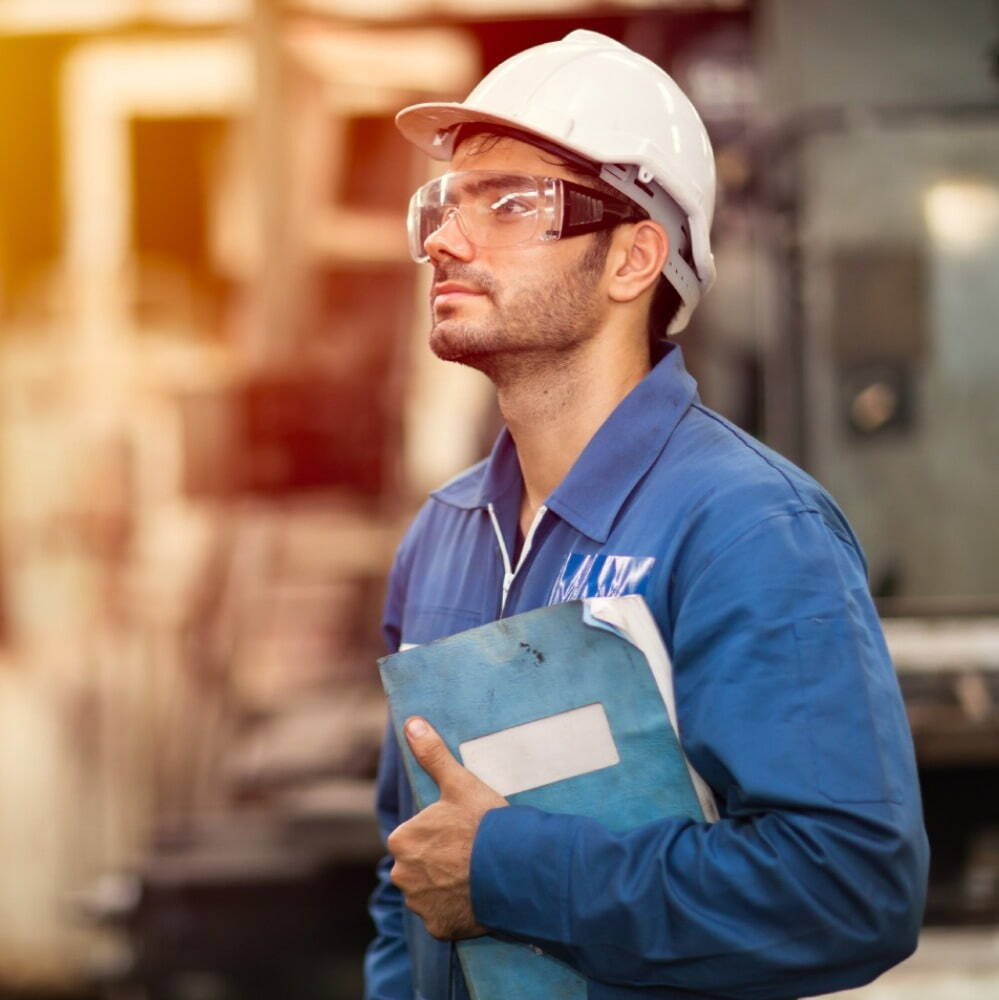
{"x": 813, "y": 879}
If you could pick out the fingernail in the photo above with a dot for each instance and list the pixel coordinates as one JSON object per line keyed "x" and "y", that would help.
{"x": 417, "y": 728}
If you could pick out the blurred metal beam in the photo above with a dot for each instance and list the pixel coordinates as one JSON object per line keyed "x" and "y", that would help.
{"x": 484, "y": 10}
{"x": 42, "y": 16}
{"x": 276, "y": 277}
{"x": 105, "y": 85}
{"x": 58, "y": 16}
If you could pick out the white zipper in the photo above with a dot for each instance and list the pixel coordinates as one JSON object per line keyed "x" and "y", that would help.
{"x": 510, "y": 572}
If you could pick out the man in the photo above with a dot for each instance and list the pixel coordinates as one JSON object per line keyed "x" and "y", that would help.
{"x": 576, "y": 209}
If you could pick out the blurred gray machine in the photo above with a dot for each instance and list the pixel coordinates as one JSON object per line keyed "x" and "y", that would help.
{"x": 878, "y": 163}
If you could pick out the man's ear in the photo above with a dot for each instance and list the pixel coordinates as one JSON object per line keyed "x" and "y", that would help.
{"x": 639, "y": 252}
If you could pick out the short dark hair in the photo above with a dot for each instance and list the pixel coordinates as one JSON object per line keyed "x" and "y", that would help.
{"x": 666, "y": 303}
{"x": 666, "y": 299}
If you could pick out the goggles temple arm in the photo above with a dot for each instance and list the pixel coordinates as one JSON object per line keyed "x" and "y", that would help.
{"x": 586, "y": 210}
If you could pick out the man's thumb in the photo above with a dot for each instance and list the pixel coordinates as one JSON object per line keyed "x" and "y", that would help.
{"x": 432, "y": 753}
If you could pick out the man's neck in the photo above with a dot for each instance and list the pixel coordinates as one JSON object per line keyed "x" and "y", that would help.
{"x": 554, "y": 410}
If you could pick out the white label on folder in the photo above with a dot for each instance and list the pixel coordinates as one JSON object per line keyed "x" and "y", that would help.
{"x": 542, "y": 752}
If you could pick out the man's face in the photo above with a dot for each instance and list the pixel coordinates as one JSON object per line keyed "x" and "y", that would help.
{"x": 494, "y": 307}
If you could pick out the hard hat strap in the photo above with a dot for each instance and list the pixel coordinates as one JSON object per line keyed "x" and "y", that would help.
{"x": 661, "y": 207}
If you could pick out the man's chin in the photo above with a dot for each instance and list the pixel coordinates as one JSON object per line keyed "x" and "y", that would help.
{"x": 460, "y": 346}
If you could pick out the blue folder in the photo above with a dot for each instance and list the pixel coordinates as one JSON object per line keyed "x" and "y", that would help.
{"x": 559, "y": 664}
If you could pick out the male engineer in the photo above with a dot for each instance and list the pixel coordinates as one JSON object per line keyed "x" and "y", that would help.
{"x": 568, "y": 236}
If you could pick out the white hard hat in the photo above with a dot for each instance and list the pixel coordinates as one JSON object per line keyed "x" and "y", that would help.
{"x": 595, "y": 97}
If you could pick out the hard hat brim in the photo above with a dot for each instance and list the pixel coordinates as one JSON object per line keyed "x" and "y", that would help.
{"x": 424, "y": 124}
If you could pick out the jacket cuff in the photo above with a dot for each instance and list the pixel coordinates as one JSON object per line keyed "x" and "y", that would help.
{"x": 520, "y": 873}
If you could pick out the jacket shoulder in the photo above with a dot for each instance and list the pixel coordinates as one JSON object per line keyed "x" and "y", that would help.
{"x": 464, "y": 489}
{"x": 737, "y": 478}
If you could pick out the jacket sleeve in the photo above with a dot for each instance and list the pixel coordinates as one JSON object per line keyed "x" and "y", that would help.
{"x": 387, "y": 974}
{"x": 814, "y": 878}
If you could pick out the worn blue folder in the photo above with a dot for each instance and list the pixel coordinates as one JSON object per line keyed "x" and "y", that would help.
{"x": 568, "y": 709}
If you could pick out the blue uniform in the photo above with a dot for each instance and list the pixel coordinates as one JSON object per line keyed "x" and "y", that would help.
{"x": 813, "y": 880}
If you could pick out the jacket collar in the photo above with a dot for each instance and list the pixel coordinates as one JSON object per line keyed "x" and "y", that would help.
{"x": 610, "y": 466}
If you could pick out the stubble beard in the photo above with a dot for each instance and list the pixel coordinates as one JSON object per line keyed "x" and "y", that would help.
{"x": 528, "y": 331}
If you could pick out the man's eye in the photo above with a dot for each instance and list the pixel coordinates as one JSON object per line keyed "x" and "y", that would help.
{"x": 511, "y": 205}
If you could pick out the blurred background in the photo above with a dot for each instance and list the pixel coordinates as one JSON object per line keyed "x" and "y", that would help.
{"x": 217, "y": 415}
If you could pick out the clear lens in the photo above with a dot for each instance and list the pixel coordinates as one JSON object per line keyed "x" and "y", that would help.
{"x": 492, "y": 209}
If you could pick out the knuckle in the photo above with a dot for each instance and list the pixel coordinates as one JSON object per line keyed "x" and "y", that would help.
{"x": 396, "y": 840}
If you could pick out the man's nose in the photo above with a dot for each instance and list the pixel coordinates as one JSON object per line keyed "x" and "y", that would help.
{"x": 449, "y": 240}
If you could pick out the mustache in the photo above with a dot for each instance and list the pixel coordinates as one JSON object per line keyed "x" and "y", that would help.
{"x": 466, "y": 275}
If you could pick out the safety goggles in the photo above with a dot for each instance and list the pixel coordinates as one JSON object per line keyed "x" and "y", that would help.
{"x": 494, "y": 208}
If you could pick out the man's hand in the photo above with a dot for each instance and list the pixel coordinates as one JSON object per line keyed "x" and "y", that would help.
{"x": 433, "y": 850}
